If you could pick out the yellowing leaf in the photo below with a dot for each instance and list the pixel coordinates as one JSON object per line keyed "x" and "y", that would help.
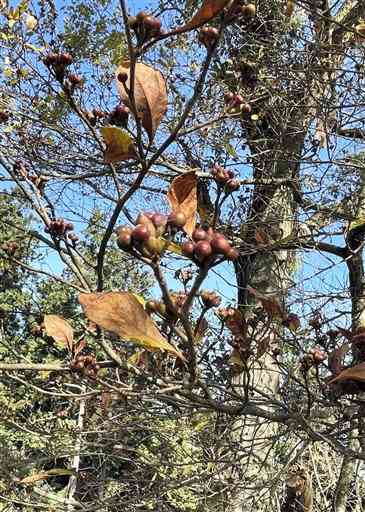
{"x": 355, "y": 373}
{"x": 290, "y": 8}
{"x": 175, "y": 248}
{"x": 140, "y": 299}
{"x": 60, "y": 330}
{"x": 235, "y": 359}
{"x": 36, "y": 477}
{"x": 357, "y": 223}
{"x": 30, "y": 22}
{"x": 360, "y": 28}
{"x": 182, "y": 196}
{"x": 209, "y": 10}
{"x": 150, "y": 95}
{"x": 119, "y": 145}
{"x": 122, "y": 314}
{"x": 201, "y": 330}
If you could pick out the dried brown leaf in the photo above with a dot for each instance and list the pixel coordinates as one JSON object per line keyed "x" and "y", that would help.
{"x": 209, "y": 10}
{"x": 60, "y": 330}
{"x": 182, "y": 196}
{"x": 354, "y": 373}
{"x": 150, "y": 95}
{"x": 122, "y": 314}
{"x": 201, "y": 330}
{"x": 336, "y": 357}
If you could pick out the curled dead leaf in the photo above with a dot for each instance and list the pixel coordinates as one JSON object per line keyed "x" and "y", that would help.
{"x": 150, "y": 94}
{"x": 123, "y": 314}
{"x": 209, "y": 10}
{"x": 182, "y": 196}
{"x": 60, "y": 330}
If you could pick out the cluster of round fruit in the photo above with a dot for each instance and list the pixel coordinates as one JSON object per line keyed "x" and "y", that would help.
{"x": 237, "y": 103}
{"x": 314, "y": 357}
{"x": 145, "y": 26}
{"x": 60, "y": 227}
{"x": 225, "y": 178}
{"x": 58, "y": 59}
{"x": 210, "y": 299}
{"x": 85, "y": 365}
{"x": 145, "y": 236}
{"x": 208, "y": 36}
{"x": 58, "y": 62}
{"x": 9, "y": 248}
{"x": 208, "y": 245}
{"x": 72, "y": 82}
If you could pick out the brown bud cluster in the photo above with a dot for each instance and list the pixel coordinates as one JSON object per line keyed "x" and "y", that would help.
{"x": 237, "y": 103}
{"x": 74, "y": 239}
{"x": 58, "y": 62}
{"x": 59, "y": 227}
{"x": 119, "y": 116}
{"x": 207, "y": 245}
{"x": 208, "y": 36}
{"x": 225, "y": 178}
{"x": 145, "y": 27}
{"x": 73, "y": 81}
{"x": 146, "y": 236}
{"x": 86, "y": 366}
{"x": 210, "y": 299}
{"x": 158, "y": 306}
{"x": 10, "y": 248}
{"x": 314, "y": 357}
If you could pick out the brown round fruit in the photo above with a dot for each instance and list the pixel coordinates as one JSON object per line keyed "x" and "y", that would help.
{"x": 122, "y": 77}
{"x": 188, "y": 248}
{"x": 232, "y": 254}
{"x": 152, "y": 306}
{"x": 124, "y": 241}
{"x": 220, "y": 245}
{"x": 199, "y": 234}
{"x": 177, "y": 219}
{"x": 248, "y": 11}
{"x": 140, "y": 233}
{"x": 228, "y": 97}
{"x": 159, "y": 220}
{"x": 141, "y": 16}
{"x": 246, "y": 108}
{"x": 232, "y": 185}
{"x": 151, "y": 23}
{"x": 132, "y": 21}
{"x": 203, "y": 250}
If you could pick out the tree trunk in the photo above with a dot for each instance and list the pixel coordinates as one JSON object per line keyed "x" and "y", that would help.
{"x": 272, "y": 216}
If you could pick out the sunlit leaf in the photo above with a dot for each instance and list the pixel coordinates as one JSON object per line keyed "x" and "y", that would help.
{"x": 209, "y": 10}
{"x": 119, "y": 145}
{"x": 30, "y": 22}
{"x": 122, "y": 314}
{"x": 43, "y": 475}
{"x": 182, "y": 196}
